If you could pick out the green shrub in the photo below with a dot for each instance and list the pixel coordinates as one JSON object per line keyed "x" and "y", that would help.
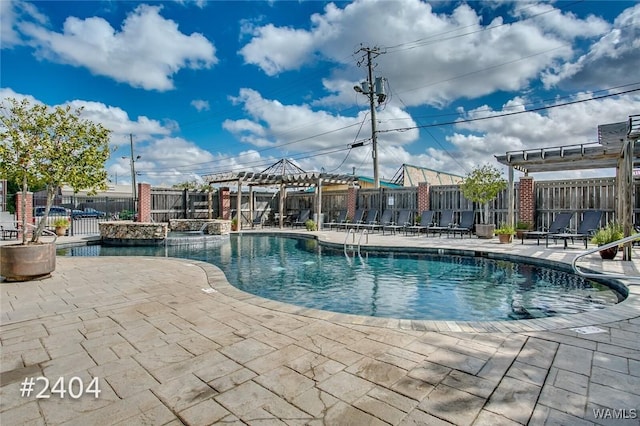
{"x": 610, "y": 233}
{"x": 311, "y": 225}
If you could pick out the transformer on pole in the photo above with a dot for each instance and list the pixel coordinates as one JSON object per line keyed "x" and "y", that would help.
{"x": 374, "y": 89}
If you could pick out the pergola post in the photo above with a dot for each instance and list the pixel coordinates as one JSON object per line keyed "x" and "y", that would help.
{"x": 511, "y": 197}
{"x": 624, "y": 181}
{"x": 251, "y": 205}
{"x": 209, "y": 202}
{"x": 281, "y": 207}
{"x": 319, "y": 203}
{"x": 239, "y": 205}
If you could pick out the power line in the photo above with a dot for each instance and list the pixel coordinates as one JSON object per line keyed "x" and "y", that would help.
{"x": 468, "y": 120}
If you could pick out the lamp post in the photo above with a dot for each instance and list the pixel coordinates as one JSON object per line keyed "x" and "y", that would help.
{"x": 132, "y": 161}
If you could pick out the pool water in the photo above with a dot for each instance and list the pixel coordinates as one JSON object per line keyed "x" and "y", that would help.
{"x": 394, "y": 285}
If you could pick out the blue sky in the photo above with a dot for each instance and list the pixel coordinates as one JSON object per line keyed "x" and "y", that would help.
{"x": 210, "y": 87}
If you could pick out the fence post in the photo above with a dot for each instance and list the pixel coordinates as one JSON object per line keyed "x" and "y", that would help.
{"x": 423, "y": 197}
{"x": 144, "y": 202}
{"x": 352, "y": 196}
{"x": 224, "y": 197}
{"x": 29, "y": 211}
{"x": 526, "y": 207}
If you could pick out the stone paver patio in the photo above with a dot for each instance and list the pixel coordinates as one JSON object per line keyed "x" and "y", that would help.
{"x": 166, "y": 349}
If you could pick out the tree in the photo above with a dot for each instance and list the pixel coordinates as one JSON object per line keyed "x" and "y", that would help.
{"x": 482, "y": 185}
{"x": 45, "y": 147}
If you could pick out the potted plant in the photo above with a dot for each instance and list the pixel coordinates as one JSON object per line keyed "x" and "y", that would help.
{"x": 61, "y": 224}
{"x": 482, "y": 185}
{"x": 310, "y": 225}
{"x": 521, "y": 228}
{"x": 505, "y": 233}
{"x": 234, "y": 224}
{"x": 609, "y": 234}
{"x": 46, "y": 147}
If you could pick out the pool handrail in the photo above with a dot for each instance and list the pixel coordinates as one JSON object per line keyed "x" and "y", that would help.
{"x": 577, "y": 270}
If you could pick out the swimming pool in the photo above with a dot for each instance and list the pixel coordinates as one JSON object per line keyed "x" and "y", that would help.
{"x": 386, "y": 284}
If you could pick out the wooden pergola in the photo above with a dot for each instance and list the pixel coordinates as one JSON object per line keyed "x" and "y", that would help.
{"x": 283, "y": 181}
{"x": 616, "y": 148}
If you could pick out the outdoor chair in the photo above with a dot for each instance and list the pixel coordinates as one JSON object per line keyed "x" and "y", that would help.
{"x": 370, "y": 221}
{"x": 357, "y": 219}
{"x": 404, "y": 220}
{"x": 341, "y": 219}
{"x": 426, "y": 221}
{"x": 445, "y": 223}
{"x": 467, "y": 221}
{"x": 559, "y": 225}
{"x": 257, "y": 220}
{"x": 589, "y": 225}
{"x": 302, "y": 217}
{"x": 385, "y": 220}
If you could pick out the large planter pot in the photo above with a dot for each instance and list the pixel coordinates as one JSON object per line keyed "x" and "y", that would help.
{"x": 61, "y": 231}
{"x": 484, "y": 230}
{"x": 27, "y": 262}
{"x": 609, "y": 253}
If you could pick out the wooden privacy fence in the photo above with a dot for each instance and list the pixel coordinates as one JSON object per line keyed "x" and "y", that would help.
{"x": 551, "y": 197}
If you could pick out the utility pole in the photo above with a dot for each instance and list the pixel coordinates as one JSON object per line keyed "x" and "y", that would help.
{"x": 372, "y": 89}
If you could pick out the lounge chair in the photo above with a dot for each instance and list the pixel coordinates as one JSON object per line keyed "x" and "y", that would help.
{"x": 370, "y": 221}
{"x": 302, "y": 217}
{"x": 257, "y": 221}
{"x": 341, "y": 219}
{"x": 404, "y": 220}
{"x": 467, "y": 220}
{"x": 357, "y": 219}
{"x": 385, "y": 220}
{"x": 590, "y": 223}
{"x": 426, "y": 221}
{"x": 559, "y": 225}
{"x": 445, "y": 223}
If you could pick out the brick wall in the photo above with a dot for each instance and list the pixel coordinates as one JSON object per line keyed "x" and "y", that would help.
{"x": 352, "y": 195}
{"x": 527, "y": 208}
{"x": 144, "y": 202}
{"x": 224, "y": 197}
{"x": 29, "y": 211}
{"x": 423, "y": 197}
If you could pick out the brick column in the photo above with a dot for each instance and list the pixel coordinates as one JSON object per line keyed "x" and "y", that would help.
{"x": 423, "y": 197}
{"x": 352, "y": 196}
{"x": 224, "y": 197}
{"x": 527, "y": 208}
{"x": 144, "y": 202}
{"x": 29, "y": 211}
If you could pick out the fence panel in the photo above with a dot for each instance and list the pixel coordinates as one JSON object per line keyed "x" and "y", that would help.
{"x": 577, "y": 196}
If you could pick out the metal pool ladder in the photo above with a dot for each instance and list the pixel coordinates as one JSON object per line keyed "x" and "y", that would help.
{"x": 352, "y": 232}
{"x": 578, "y": 271}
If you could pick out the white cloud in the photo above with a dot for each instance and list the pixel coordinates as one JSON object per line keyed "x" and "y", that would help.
{"x": 317, "y": 139}
{"x": 200, "y": 105}
{"x": 434, "y": 58}
{"x": 478, "y": 141}
{"x": 146, "y": 53}
{"x": 614, "y": 59}
{"x": 11, "y": 13}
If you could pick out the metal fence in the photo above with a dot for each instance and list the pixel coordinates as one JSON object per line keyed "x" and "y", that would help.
{"x": 102, "y": 208}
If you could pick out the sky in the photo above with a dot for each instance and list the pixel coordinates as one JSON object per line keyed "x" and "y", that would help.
{"x": 203, "y": 87}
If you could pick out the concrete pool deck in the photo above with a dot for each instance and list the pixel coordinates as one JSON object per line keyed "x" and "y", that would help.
{"x": 171, "y": 342}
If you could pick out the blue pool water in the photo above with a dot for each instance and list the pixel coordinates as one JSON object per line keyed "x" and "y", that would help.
{"x": 410, "y": 286}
